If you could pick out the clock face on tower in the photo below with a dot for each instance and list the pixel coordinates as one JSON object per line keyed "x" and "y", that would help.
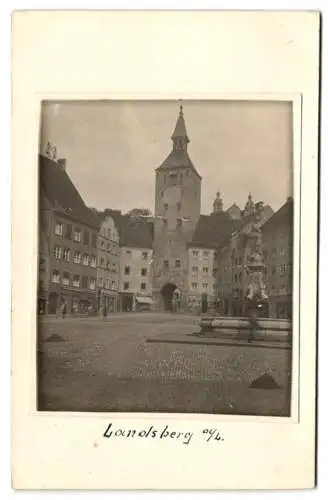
{"x": 172, "y": 195}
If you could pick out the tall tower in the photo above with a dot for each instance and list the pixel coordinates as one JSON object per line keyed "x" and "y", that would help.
{"x": 217, "y": 204}
{"x": 177, "y": 210}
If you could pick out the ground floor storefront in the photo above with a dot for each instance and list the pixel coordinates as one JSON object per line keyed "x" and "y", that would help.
{"x": 61, "y": 301}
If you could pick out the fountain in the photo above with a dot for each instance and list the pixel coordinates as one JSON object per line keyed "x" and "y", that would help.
{"x": 253, "y": 325}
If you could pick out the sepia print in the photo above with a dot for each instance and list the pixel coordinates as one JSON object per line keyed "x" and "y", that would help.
{"x": 166, "y": 257}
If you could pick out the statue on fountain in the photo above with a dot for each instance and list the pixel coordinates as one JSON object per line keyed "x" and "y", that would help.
{"x": 256, "y": 295}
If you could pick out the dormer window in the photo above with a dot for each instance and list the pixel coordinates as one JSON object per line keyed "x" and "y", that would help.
{"x": 173, "y": 178}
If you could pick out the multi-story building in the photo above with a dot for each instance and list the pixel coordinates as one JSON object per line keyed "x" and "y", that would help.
{"x": 71, "y": 232}
{"x": 232, "y": 254}
{"x": 136, "y": 254}
{"x": 210, "y": 231}
{"x": 108, "y": 265}
{"x": 278, "y": 251}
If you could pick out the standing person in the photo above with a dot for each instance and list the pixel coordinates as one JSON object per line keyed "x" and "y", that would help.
{"x": 64, "y": 310}
{"x": 253, "y": 324}
{"x": 104, "y": 311}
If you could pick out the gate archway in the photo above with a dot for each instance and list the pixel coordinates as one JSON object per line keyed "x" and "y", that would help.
{"x": 167, "y": 295}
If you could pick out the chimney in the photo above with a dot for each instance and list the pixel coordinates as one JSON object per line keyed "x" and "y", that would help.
{"x": 62, "y": 163}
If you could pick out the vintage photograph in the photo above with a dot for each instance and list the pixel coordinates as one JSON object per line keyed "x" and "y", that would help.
{"x": 165, "y": 256}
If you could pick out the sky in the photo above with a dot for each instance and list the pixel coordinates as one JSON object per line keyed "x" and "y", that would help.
{"x": 112, "y": 148}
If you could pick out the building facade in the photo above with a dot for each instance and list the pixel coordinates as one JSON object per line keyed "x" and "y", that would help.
{"x": 108, "y": 266}
{"x": 278, "y": 252}
{"x": 71, "y": 232}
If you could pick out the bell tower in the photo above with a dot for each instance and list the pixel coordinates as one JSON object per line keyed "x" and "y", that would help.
{"x": 177, "y": 210}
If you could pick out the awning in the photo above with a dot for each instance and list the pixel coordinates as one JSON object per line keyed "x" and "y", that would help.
{"x": 144, "y": 300}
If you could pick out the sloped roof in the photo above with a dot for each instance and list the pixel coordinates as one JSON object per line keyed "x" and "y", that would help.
{"x": 212, "y": 230}
{"x": 178, "y": 158}
{"x": 283, "y": 216}
{"x": 59, "y": 190}
{"x": 136, "y": 232}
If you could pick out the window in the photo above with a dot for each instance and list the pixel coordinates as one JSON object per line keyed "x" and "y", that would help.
{"x": 128, "y": 253}
{"x": 57, "y": 252}
{"x": 206, "y": 253}
{"x": 93, "y": 262}
{"x": 107, "y": 264}
{"x": 94, "y": 240}
{"x": 55, "y": 276}
{"x": 68, "y": 232}
{"x": 178, "y": 206}
{"x": 59, "y": 229}
{"x": 114, "y": 268}
{"x": 177, "y": 263}
{"x": 114, "y": 285}
{"x": 205, "y": 270}
{"x": 108, "y": 247}
{"x": 100, "y": 282}
{"x": 101, "y": 261}
{"x": 194, "y": 269}
{"x": 205, "y": 284}
{"x": 195, "y": 253}
{"x": 107, "y": 284}
{"x": 143, "y": 286}
{"x": 92, "y": 284}
{"x": 235, "y": 278}
{"x": 166, "y": 264}
{"x": 194, "y": 286}
{"x": 126, "y": 285}
{"x": 144, "y": 255}
{"x": 265, "y": 254}
{"x": 214, "y": 286}
{"x": 143, "y": 272}
{"x": 274, "y": 251}
{"x": 66, "y": 254}
{"x": 77, "y": 234}
{"x": 215, "y": 255}
{"x": 85, "y": 259}
{"x": 282, "y": 289}
{"x": 282, "y": 251}
{"x": 127, "y": 270}
{"x": 173, "y": 178}
{"x": 86, "y": 237}
{"x": 273, "y": 269}
{"x": 165, "y": 222}
{"x": 102, "y": 243}
{"x": 84, "y": 282}
{"x": 214, "y": 272}
{"x": 179, "y": 222}
{"x": 165, "y": 207}
{"x": 239, "y": 277}
{"x": 76, "y": 281}
{"x": 239, "y": 261}
{"x": 77, "y": 257}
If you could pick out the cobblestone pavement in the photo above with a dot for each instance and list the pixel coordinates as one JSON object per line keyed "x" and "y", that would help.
{"x": 107, "y": 365}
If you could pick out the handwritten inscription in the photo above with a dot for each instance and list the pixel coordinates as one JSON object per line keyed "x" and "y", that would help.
{"x": 165, "y": 433}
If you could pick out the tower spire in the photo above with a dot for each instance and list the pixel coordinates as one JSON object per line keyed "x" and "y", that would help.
{"x": 180, "y": 137}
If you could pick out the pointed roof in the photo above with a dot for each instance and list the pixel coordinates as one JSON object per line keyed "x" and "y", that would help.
{"x": 179, "y": 157}
{"x": 180, "y": 127}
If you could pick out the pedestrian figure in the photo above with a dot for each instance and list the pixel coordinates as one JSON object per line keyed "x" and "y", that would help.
{"x": 253, "y": 325}
{"x": 104, "y": 312}
{"x": 64, "y": 310}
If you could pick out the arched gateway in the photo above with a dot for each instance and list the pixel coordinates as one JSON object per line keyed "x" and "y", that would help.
{"x": 167, "y": 292}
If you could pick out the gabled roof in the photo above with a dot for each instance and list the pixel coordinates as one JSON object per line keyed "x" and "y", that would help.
{"x": 212, "y": 230}
{"x": 136, "y": 232}
{"x": 283, "y": 216}
{"x": 60, "y": 192}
